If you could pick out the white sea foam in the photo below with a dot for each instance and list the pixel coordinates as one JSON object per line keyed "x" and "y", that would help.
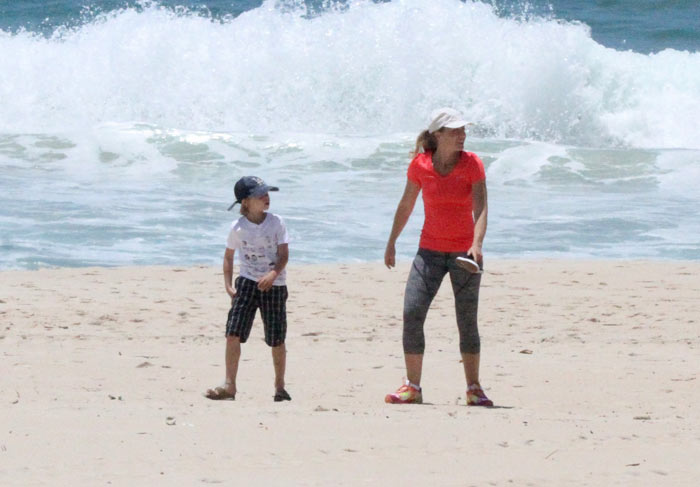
{"x": 364, "y": 69}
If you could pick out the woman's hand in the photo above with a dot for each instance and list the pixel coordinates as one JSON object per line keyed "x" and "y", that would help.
{"x": 390, "y": 255}
{"x": 477, "y": 254}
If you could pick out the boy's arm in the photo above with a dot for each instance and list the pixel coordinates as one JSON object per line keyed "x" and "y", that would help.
{"x": 266, "y": 281}
{"x": 228, "y": 272}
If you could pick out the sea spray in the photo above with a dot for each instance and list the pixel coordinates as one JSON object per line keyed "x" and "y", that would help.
{"x": 366, "y": 68}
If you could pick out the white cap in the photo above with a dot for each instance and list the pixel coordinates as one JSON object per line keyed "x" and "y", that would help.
{"x": 446, "y": 117}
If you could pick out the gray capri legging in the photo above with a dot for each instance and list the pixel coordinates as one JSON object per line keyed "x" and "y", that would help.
{"x": 428, "y": 270}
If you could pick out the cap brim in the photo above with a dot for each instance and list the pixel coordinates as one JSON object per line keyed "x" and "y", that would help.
{"x": 263, "y": 189}
{"x": 450, "y": 125}
{"x": 259, "y": 191}
{"x": 457, "y": 124}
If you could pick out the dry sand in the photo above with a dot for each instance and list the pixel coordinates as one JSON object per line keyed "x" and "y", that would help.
{"x": 593, "y": 367}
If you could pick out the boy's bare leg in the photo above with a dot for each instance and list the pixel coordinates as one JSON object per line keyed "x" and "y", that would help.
{"x": 233, "y": 355}
{"x": 279, "y": 360}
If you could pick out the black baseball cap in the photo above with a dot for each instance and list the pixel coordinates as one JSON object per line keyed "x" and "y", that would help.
{"x": 249, "y": 186}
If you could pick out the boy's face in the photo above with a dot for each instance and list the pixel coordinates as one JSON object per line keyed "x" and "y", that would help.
{"x": 259, "y": 204}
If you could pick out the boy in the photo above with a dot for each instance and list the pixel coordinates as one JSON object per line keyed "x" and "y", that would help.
{"x": 263, "y": 244}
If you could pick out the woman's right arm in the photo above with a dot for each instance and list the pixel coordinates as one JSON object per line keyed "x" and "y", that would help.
{"x": 403, "y": 212}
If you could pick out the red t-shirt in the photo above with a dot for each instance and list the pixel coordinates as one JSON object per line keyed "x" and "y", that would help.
{"x": 449, "y": 223}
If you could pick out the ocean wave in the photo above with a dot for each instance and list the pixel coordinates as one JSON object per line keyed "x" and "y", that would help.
{"x": 365, "y": 68}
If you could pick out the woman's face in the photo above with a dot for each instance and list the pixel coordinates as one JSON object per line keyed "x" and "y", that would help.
{"x": 451, "y": 139}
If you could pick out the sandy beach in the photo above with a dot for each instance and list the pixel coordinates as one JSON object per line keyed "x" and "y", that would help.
{"x": 593, "y": 367}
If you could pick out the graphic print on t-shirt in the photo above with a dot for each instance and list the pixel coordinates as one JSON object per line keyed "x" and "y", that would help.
{"x": 257, "y": 246}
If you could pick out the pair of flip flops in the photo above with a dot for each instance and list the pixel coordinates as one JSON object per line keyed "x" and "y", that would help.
{"x": 221, "y": 394}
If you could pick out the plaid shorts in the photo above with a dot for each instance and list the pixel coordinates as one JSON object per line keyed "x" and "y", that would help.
{"x": 273, "y": 309}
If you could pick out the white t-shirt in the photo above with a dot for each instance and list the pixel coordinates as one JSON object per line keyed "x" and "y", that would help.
{"x": 256, "y": 246}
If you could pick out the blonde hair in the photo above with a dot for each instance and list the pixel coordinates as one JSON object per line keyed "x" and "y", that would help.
{"x": 425, "y": 142}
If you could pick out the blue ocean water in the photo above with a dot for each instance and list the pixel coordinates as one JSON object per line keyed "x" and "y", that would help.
{"x": 124, "y": 125}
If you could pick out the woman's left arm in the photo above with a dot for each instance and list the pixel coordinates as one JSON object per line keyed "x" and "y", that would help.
{"x": 481, "y": 209}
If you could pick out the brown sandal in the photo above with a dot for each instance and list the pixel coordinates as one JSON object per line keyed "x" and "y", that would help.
{"x": 282, "y": 395}
{"x": 219, "y": 394}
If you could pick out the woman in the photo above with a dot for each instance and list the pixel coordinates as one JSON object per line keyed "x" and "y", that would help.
{"x": 454, "y": 196}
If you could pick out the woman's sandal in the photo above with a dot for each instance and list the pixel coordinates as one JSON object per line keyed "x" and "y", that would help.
{"x": 219, "y": 394}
